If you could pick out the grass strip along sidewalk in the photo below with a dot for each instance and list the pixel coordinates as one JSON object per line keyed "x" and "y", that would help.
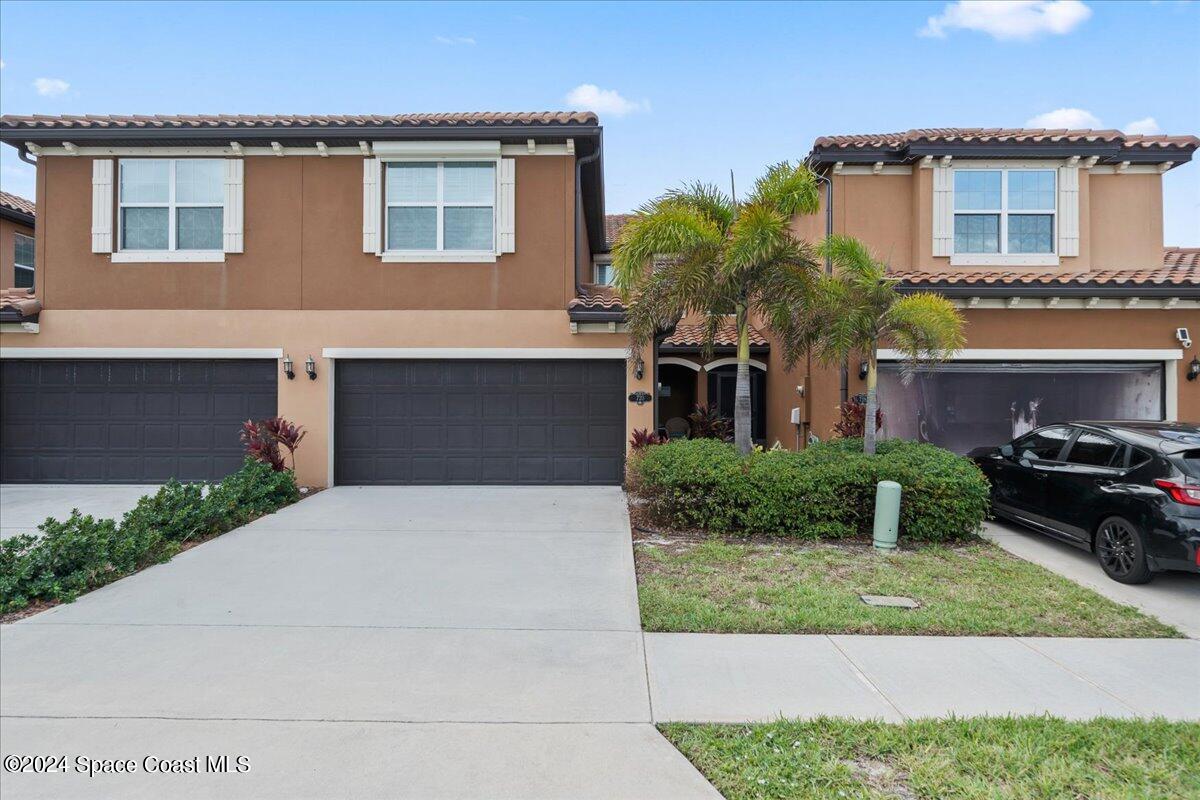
{"x": 976, "y": 759}
{"x": 723, "y": 585}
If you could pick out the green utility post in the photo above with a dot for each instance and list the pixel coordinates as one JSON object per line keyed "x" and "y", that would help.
{"x": 887, "y": 515}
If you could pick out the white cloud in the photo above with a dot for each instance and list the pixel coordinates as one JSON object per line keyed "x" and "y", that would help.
{"x": 51, "y": 87}
{"x": 1074, "y": 118}
{"x": 590, "y": 97}
{"x": 1146, "y": 127}
{"x": 453, "y": 40}
{"x": 1008, "y": 19}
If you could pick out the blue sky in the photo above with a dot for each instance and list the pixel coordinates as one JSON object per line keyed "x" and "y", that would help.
{"x": 686, "y": 90}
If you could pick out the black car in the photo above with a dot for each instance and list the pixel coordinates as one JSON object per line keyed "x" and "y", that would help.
{"x": 1127, "y": 491}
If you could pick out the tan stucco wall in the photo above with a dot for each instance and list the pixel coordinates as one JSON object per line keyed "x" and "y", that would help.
{"x": 8, "y": 230}
{"x": 303, "y": 247}
{"x": 1120, "y": 220}
{"x": 304, "y": 333}
{"x": 999, "y": 328}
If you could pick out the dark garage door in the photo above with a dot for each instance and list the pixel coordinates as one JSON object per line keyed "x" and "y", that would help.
{"x": 128, "y": 421}
{"x": 441, "y": 422}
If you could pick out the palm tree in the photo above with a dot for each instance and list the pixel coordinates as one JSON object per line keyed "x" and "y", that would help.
{"x": 857, "y": 308}
{"x": 699, "y": 252}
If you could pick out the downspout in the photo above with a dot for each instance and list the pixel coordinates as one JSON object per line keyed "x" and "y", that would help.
{"x": 580, "y": 163}
{"x": 23, "y": 154}
{"x": 844, "y": 376}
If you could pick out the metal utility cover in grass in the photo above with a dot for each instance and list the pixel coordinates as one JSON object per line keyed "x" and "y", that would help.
{"x": 885, "y": 601}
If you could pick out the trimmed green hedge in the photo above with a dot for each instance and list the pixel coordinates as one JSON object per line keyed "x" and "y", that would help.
{"x": 824, "y": 491}
{"x": 84, "y": 553}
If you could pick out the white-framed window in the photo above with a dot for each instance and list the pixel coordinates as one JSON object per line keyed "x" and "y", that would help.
{"x": 23, "y": 261}
{"x": 602, "y": 272}
{"x": 441, "y": 208}
{"x": 1005, "y": 212}
{"x": 171, "y": 205}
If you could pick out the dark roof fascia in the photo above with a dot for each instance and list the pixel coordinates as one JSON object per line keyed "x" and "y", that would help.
{"x": 1053, "y": 290}
{"x": 19, "y": 217}
{"x": 169, "y": 136}
{"x": 1108, "y": 152}
{"x": 10, "y": 314}
{"x": 691, "y": 349}
{"x": 591, "y": 315}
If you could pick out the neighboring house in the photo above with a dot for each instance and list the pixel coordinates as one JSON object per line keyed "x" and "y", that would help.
{"x": 398, "y": 285}
{"x": 17, "y": 217}
{"x": 1051, "y": 244}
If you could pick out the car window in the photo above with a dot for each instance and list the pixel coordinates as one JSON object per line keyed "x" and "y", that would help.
{"x": 1044, "y": 445}
{"x": 1094, "y": 450}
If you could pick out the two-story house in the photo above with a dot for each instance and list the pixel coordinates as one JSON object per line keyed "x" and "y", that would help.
{"x": 397, "y": 284}
{"x": 1051, "y": 244}
{"x": 425, "y": 294}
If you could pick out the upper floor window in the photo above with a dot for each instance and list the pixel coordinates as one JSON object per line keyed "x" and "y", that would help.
{"x": 171, "y": 204}
{"x": 602, "y": 273}
{"x": 22, "y": 261}
{"x": 1004, "y": 211}
{"x": 440, "y": 206}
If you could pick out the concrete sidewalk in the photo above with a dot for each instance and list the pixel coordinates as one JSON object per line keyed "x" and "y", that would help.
{"x": 745, "y": 678}
{"x": 1172, "y": 597}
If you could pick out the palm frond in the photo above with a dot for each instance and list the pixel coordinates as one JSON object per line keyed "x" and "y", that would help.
{"x": 667, "y": 229}
{"x": 788, "y": 189}
{"x": 924, "y": 328}
{"x": 707, "y": 200}
{"x": 759, "y": 234}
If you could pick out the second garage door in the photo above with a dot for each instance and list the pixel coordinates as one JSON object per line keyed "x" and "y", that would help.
{"x": 479, "y": 422}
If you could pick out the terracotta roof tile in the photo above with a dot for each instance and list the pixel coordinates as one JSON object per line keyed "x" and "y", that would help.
{"x": 596, "y": 297}
{"x": 20, "y": 301}
{"x": 1003, "y": 135}
{"x": 18, "y": 204}
{"x": 226, "y": 121}
{"x": 613, "y": 223}
{"x": 1163, "y": 276}
{"x": 1181, "y": 257}
{"x": 692, "y": 335}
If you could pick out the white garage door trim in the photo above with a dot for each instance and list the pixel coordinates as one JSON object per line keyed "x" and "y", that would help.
{"x": 141, "y": 352}
{"x": 443, "y": 353}
{"x": 1170, "y": 374}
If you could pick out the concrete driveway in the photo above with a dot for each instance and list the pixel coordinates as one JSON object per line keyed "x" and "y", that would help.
{"x": 23, "y": 507}
{"x": 366, "y": 642}
{"x": 1173, "y": 597}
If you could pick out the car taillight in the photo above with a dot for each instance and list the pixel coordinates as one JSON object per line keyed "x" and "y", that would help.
{"x": 1188, "y": 494}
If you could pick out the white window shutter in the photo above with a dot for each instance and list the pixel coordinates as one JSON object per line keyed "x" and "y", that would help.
{"x": 1068, "y": 211}
{"x": 102, "y": 205}
{"x": 234, "y": 205}
{"x": 371, "y": 205}
{"x": 507, "y": 215}
{"x": 943, "y": 211}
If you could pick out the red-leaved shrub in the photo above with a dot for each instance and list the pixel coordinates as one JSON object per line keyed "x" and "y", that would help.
{"x": 263, "y": 439}
{"x": 853, "y": 413}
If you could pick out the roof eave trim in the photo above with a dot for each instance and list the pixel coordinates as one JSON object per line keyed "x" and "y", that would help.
{"x": 1107, "y": 152}
{"x": 18, "y": 216}
{"x": 1054, "y": 290}
{"x": 591, "y": 315}
{"x": 18, "y": 135}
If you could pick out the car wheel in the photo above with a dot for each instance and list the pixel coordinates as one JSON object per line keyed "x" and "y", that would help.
{"x": 1120, "y": 550}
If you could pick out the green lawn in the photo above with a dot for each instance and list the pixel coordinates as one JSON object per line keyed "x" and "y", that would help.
{"x": 1031, "y": 757}
{"x": 729, "y": 586}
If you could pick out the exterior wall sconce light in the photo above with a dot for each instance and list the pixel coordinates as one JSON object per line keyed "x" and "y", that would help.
{"x": 310, "y": 367}
{"x": 287, "y": 368}
{"x": 1193, "y": 369}
{"x": 639, "y": 369}
{"x": 862, "y": 370}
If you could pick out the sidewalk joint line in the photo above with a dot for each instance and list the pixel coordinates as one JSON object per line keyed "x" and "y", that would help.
{"x": 865, "y": 679}
{"x": 1075, "y": 674}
